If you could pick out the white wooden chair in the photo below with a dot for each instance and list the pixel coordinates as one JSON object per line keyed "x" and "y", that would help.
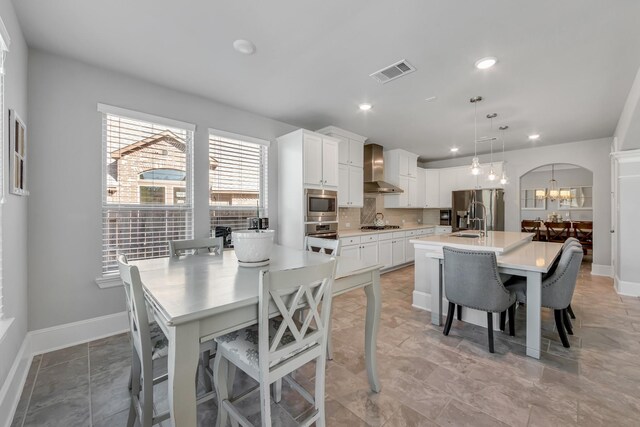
{"x": 214, "y": 245}
{"x": 270, "y": 351}
{"x": 179, "y": 247}
{"x": 146, "y": 348}
{"x": 325, "y": 246}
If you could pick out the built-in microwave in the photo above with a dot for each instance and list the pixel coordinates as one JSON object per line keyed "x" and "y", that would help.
{"x": 321, "y": 205}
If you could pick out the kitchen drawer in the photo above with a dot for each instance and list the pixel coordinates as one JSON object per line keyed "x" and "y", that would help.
{"x": 347, "y": 241}
{"x": 385, "y": 236}
{"x": 369, "y": 238}
{"x": 411, "y": 233}
{"x": 398, "y": 234}
{"x": 443, "y": 230}
{"x": 429, "y": 232}
{"x": 425, "y": 231}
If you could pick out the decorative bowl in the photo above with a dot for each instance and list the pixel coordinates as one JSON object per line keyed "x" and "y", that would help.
{"x": 253, "y": 247}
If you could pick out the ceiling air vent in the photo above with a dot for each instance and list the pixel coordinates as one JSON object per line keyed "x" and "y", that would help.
{"x": 394, "y": 71}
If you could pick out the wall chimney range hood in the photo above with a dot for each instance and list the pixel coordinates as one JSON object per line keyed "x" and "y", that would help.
{"x": 374, "y": 172}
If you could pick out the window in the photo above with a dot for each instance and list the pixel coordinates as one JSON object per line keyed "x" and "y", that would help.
{"x": 237, "y": 179}
{"x": 5, "y": 41}
{"x": 147, "y": 185}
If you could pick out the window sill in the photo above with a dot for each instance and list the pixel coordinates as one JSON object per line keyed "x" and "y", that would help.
{"x": 5, "y": 324}
{"x": 110, "y": 281}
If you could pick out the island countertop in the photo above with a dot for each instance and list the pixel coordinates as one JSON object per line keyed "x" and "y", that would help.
{"x": 496, "y": 241}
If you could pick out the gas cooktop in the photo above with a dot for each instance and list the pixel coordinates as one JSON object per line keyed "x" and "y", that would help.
{"x": 378, "y": 227}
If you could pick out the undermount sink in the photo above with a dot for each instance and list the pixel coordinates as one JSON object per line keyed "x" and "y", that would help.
{"x": 466, "y": 234}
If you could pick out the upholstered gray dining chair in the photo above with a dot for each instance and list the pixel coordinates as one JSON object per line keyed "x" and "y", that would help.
{"x": 471, "y": 279}
{"x": 571, "y": 241}
{"x": 557, "y": 289}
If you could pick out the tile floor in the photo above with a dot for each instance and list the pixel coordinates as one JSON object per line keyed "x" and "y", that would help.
{"x": 427, "y": 379}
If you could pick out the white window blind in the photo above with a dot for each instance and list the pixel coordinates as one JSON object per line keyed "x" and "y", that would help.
{"x": 237, "y": 180}
{"x": 147, "y": 188}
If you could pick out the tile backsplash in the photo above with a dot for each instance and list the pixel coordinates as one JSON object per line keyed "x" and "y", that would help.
{"x": 353, "y": 218}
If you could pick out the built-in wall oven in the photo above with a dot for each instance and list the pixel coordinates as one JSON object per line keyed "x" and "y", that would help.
{"x": 323, "y": 230}
{"x": 321, "y": 205}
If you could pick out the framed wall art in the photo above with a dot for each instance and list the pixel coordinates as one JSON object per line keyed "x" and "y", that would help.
{"x": 17, "y": 155}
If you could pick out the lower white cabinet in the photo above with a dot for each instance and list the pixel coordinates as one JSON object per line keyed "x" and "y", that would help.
{"x": 363, "y": 251}
{"x": 443, "y": 229}
{"x": 385, "y": 253}
{"x": 397, "y": 250}
{"x": 409, "y": 252}
{"x": 350, "y": 251}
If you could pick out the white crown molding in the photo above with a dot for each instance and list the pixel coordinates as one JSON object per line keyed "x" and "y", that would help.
{"x": 626, "y": 156}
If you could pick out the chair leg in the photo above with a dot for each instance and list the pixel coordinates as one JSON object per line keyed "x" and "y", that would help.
{"x": 329, "y": 341}
{"x": 205, "y": 357}
{"x": 570, "y": 310}
{"x": 459, "y": 308}
{"x": 265, "y": 404}
{"x": 147, "y": 390}
{"x": 503, "y": 320}
{"x": 447, "y": 325}
{"x": 490, "y": 329}
{"x": 220, "y": 377}
{"x": 512, "y": 320}
{"x": 567, "y": 322}
{"x": 321, "y": 363}
{"x": 135, "y": 388}
{"x": 560, "y": 327}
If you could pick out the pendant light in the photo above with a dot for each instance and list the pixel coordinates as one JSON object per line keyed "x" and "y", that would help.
{"x": 492, "y": 174}
{"x": 553, "y": 192}
{"x": 475, "y": 162}
{"x": 503, "y": 178}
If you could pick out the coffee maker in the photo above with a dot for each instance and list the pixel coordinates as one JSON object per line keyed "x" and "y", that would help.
{"x": 225, "y": 233}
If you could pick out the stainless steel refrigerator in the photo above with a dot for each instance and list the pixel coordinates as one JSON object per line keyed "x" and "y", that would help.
{"x": 464, "y": 210}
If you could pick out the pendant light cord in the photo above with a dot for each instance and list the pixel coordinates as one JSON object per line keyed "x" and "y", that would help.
{"x": 475, "y": 129}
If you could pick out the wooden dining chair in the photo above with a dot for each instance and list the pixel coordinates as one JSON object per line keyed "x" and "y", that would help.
{"x": 178, "y": 248}
{"x": 557, "y": 231}
{"x": 325, "y": 246}
{"x": 270, "y": 350}
{"x": 528, "y": 226}
{"x": 212, "y": 245}
{"x": 583, "y": 231}
{"x": 146, "y": 349}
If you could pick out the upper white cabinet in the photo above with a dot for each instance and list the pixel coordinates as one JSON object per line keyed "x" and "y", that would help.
{"x": 432, "y": 188}
{"x": 421, "y": 191}
{"x": 401, "y": 169}
{"x": 447, "y": 184}
{"x": 350, "y": 157}
{"x": 320, "y": 160}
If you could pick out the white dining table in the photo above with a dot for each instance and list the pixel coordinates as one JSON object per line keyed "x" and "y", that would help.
{"x": 198, "y": 297}
{"x": 530, "y": 260}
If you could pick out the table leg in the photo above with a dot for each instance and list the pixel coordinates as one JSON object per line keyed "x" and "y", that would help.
{"x": 374, "y": 304}
{"x": 534, "y": 323}
{"x": 435, "y": 278}
{"x": 184, "y": 348}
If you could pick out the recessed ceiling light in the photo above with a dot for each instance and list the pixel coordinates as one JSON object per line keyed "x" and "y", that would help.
{"x": 454, "y": 149}
{"x": 431, "y": 98}
{"x": 365, "y": 107}
{"x": 534, "y": 137}
{"x": 484, "y": 63}
{"x": 244, "y": 47}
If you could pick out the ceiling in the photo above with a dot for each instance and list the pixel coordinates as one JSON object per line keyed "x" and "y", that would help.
{"x": 564, "y": 71}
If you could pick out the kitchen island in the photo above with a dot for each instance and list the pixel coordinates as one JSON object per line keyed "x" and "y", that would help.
{"x": 516, "y": 254}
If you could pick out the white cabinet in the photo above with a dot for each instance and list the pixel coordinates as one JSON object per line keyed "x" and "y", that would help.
{"x": 421, "y": 189}
{"x": 369, "y": 252}
{"x": 320, "y": 160}
{"x": 351, "y": 145}
{"x": 409, "y": 252}
{"x": 432, "y": 188}
{"x": 365, "y": 251}
{"x": 350, "y": 251}
{"x": 397, "y": 251}
{"x": 412, "y": 196}
{"x": 447, "y": 185}
{"x": 406, "y": 199}
{"x": 443, "y": 229}
{"x": 385, "y": 253}
{"x": 350, "y": 186}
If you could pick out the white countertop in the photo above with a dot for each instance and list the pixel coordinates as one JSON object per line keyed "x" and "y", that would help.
{"x": 358, "y": 232}
{"x": 497, "y": 241}
{"x": 533, "y": 256}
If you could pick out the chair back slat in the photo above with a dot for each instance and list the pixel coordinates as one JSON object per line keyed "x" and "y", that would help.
{"x": 308, "y": 289}
{"x": 136, "y": 308}
{"x": 557, "y": 231}
{"x": 528, "y": 226}
{"x": 325, "y": 246}
{"x": 212, "y": 245}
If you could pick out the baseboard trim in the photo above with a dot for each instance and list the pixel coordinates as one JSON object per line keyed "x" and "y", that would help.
{"x": 624, "y": 287}
{"x": 13, "y": 384}
{"x": 601, "y": 270}
{"x": 50, "y": 339}
{"x": 421, "y": 300}
{"x": 61, "y": 336}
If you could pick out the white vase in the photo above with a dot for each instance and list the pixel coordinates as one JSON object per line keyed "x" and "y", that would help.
{"x": 253, "y": 246}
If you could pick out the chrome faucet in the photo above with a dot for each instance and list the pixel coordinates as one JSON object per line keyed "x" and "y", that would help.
{"x": 484, "y": 219}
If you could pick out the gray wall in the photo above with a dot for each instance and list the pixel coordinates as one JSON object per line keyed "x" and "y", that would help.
{"x": 14, "y": 210}
{"x": 575, "y": 177}
{"x": 592, "y": 155}
{"x": 65, "y": 203}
